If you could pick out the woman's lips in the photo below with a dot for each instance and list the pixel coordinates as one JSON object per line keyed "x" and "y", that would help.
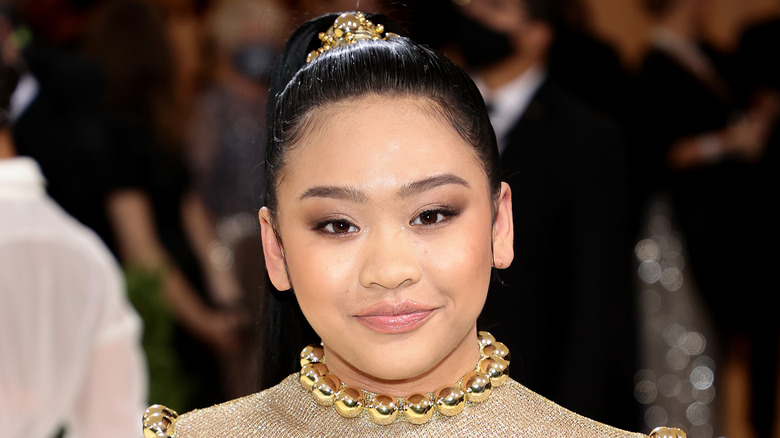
{"x": 396, "y": 317}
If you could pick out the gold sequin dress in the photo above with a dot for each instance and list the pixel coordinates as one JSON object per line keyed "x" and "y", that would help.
{"x": 288, "y": 410}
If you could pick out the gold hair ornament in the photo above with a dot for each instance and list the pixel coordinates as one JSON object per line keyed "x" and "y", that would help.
{"x": 347, "y": 29}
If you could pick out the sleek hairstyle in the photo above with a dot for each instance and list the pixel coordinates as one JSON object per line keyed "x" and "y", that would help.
{"x": 392, "y": 67}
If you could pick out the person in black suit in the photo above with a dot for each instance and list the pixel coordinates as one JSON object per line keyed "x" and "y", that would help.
{"x": 706, "y": 148}
{"x": 565, "y": 305}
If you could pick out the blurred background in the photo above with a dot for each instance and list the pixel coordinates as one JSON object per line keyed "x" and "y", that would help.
{"x": 147, "y": 118}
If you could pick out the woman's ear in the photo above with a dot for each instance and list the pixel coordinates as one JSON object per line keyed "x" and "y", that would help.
{"x": 273, "y": 252}
{"x": 503, "y": 230}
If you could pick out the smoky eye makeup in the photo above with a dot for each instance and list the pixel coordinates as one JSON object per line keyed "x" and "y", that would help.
{"x": 335, "y": 226}
{"x": 434, "y": 216}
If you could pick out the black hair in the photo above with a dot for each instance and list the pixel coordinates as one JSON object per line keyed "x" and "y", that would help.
{"x": 393, "y": 67}
{"x": 396, "y": 66}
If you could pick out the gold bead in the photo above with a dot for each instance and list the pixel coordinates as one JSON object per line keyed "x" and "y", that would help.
{"x": 477, "y": 385}
{"x": 497, "y": 349}
{"x": 158, "y": 421}
{"x": 450, "y": 400}
{"x": 312, "y": 354}
{"x": 160, "y": 409}
{"x": 667, "y": 432}
{"x": 158, "y": 425}
{"x": 349, "y": 402}
{"x": 418, "y": 408}
{"x": 383, "y": 409}
{"x": 312, "y": 372}
{"x": 485, "y": 338}
{"x": 495, "y": 368}
{"x": 345, "y": 23}
{"x": 325, "y": 389}
{"x": 349, "y": 28}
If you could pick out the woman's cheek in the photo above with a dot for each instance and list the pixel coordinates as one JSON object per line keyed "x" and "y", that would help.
{"x": 455, "y": 252}
{"x": 330, "y": 267}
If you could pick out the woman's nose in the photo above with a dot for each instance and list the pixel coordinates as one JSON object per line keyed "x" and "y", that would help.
{"x": 389, "y": 261}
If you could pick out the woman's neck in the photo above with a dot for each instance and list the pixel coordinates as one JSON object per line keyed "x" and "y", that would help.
{"x": 447, "y": 372}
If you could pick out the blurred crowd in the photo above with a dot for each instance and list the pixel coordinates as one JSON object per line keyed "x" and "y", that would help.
{"x": 146, "y": 118}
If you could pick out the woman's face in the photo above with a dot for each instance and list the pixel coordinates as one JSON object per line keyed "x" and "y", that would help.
{"x": 385, "y": 227}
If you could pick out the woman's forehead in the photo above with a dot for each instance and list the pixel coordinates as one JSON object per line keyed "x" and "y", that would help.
{"x": 382, "y": 137}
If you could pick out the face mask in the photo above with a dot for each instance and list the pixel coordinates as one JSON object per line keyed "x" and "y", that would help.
{"x": 254, "y": 61}
{"x": 480, "y": 45}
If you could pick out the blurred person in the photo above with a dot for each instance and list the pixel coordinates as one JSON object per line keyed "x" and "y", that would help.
{"x": 585, "y": 65}
{"x": 162, "y": 224}
{"x": 225, "y": 145}
{"x": 70, "y": 351}
{"x": 94, "y": 127}
{"x": 303, "y": 10}
{"x": 225, "y": 133}
{"x": 60, "y": 90}
{"x": 704, "y": 146}
{"x": 183, "y": 28}
{"x": 567, "y": 295}
{"x": 758, "y": 73}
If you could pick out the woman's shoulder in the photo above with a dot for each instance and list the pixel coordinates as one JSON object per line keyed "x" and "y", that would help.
{"x": 288, "y": 410}
{"x": 534, "y": 413}
{"x": 545, "y": 415}
{"x": 242, "y": 417}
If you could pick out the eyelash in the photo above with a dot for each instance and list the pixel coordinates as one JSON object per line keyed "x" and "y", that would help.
{"x": 442, "y": 215}
{"x": 445, "y": 214}
{"x": 330, "y": 223}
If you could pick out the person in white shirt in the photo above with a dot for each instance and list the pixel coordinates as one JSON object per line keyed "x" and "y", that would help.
{"x": 70, "y": 350}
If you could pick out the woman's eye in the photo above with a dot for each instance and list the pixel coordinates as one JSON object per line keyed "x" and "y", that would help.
{"x": 432, "y": 217}
{"x": 337, "y": 227}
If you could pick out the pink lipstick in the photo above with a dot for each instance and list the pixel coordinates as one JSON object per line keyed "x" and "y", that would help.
{"x": 396, "y": 317}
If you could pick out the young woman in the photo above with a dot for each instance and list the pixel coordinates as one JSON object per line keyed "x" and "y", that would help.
{"x": 385, "y": 216}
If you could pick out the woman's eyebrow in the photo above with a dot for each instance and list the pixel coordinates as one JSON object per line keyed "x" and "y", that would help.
{"x": 417, "y": 187}
{"x": 352, "y": 194}
{"x": 335, "y": 192}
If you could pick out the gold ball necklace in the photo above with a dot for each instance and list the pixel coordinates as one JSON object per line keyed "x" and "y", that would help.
{"x": 491, "y": 371}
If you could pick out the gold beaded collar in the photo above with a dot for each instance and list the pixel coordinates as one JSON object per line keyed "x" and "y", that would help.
{"x": 347, "y": 29}
{"x": 491, "y": 371}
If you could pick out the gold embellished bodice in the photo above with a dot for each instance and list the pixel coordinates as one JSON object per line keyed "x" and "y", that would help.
{"x": 288, "y": 410}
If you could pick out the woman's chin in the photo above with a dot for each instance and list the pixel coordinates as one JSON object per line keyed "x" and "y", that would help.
{"x": 394, "y": 371}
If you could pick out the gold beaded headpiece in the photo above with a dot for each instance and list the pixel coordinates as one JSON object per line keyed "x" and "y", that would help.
{"x": 347, "y": 29}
